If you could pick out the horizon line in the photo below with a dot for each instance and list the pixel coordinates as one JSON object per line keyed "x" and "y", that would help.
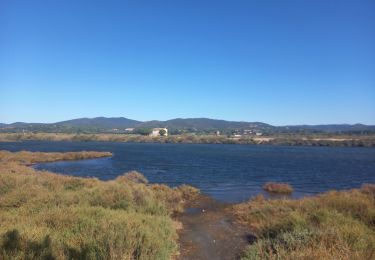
{"x": 184, "y": 118}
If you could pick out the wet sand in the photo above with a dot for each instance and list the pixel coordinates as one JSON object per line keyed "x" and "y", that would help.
{"x": 211, "y": 232}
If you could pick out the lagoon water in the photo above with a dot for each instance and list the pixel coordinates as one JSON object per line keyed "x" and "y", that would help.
{"x": 230, "y": 173}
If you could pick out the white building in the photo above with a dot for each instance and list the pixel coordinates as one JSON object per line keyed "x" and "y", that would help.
{"x": 156, "y": 131}
{"x": 247, "y": 132}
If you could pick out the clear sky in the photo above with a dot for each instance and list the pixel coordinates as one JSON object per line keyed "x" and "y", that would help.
{"x": 279, "y": 62}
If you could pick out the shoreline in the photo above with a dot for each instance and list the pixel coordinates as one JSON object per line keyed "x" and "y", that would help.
{"x": 280, "y": 140}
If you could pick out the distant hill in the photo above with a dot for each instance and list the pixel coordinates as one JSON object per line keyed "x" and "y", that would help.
{"x": 90, "y": 125}
{"x": 331, "y": 128}
{"x": 201, "y": 124}
{"x": 178, "y": 125}
{"x": 100, "y": 122}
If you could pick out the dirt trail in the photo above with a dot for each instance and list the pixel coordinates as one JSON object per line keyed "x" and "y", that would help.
{"x": 211, "y": 232}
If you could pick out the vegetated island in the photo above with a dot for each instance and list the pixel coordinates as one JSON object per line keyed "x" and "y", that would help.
{"x": 52, "y": 216}
{"x": 341, "y": 140}
{"x": 26, "y": 157}
{"x": 278, "y": 188}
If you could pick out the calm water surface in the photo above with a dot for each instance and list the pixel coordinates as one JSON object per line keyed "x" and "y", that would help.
{"x": 230, "y": 173}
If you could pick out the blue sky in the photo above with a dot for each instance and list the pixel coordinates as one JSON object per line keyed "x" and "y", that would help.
{"x": 279, "y": 62}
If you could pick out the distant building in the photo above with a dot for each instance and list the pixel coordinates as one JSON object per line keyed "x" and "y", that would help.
{"x": 119, "y": 131}
{"x": 217, "y": 133}
{"x": 258, "y": 134}
{"x": 247, "y": 132}
{"x": 156, "y": 132}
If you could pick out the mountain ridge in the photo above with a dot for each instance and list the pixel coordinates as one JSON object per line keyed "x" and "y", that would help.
{"x": 100, "y": 124}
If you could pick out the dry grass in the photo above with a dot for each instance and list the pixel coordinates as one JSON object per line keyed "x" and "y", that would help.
{"x": 334, "y": 225}
{"x": 281, "y": 188}
{"x": 49, "y": 216}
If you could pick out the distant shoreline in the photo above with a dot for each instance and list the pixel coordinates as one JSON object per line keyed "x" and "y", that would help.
{"x": 286, "y": 140}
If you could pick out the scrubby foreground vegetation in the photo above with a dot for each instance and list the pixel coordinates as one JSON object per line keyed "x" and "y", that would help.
{"x": 49, "y": 216}
{"x": 334, "y": 225}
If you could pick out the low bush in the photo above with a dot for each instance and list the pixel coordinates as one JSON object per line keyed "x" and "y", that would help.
{"x": 132, "y": 176}
{"x": 274, "y": 187}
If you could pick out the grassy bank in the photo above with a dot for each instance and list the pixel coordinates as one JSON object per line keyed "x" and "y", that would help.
{"x": 290, "y": 139}
{"x": 49, "y": 216}
{"x": 334, "y": 225}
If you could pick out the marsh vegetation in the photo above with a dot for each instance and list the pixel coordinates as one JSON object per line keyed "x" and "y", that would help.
{"x": 49, "y": 216}
{"x": 26, "y": 157}
{"x": 277, "y": 139}
{"x": 280, "y": 188}
{"x": 333, "y": 225}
